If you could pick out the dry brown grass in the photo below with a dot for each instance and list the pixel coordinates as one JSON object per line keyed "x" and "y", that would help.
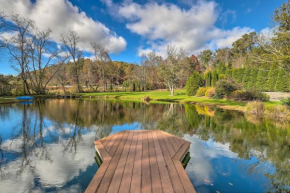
{"x": 277, "y": 114}
{"x": 255, "y": 108}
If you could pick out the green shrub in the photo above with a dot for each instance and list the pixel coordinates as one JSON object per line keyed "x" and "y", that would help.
{"x": 193, "y": 83}
{"x": 286, "y": 102}
{"x": 240, "y": 95}
{"x": 210, "y": 92}
{"x": 224, "y": 88}
{"x": 146, "y": 99}
{"x": 201, "y": 91}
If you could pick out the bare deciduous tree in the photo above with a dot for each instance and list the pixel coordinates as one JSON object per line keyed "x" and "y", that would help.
{"x": 71, "y": 46}
{"x": 42, "y": 52}
{"x": 17, "y": 45}
{"x": 171, "y": 69}
{"x": 103, "y": 60}
{"x": 272, "y": 48}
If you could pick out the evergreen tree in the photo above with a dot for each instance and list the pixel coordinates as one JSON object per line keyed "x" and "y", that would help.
{"x": 193, "y": 83}
{"x": 235, "y": 73}
{"x": 222, "y": 68}
{"x": 208, "y": 79}
{"x": 262, "y": 78}
{"x": 253, "y": 79}
{"x": 282, "y": 83}
{"x": 215, "y": 78}
{"x": 228, "y": 73}
{"x": 272, "y": 77}
{"x": 230, "y": 66}
{"x": 246, "y": 78}
{"x": 240, "y": 75}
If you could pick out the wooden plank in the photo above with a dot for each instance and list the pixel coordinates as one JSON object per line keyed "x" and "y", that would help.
{"x": 101, "y": 150}
{"x": 183, "y": 177}
{"x": 110, "y": 143}
{"x": 167, "y": 186}
{"x": 141, "y": 161}
{"x": 137, "y": 170}
{"x": 180, "y": 153}
{"x": 174, "y": 141}
{"x": 146, "y": 178}
{"x": 168, "y": 144}
{"x": 178, "y": 141}
{"x": 154, "y": 171}
{"x": 127, "y": 176}
{"x": 94, "y": 184}
{"x": 177, "y": 185}
{"x": 106, "y": 140}
{"x": 117, "y": 178}
{"x": 113, "y": 164}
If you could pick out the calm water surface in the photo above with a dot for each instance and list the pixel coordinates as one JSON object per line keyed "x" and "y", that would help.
{"x": 47, "y": 146}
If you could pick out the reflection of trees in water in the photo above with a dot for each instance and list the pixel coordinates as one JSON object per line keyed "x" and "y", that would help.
{"x": 245, "y": 138}
{"x": 29, "y": 137}
{"x": 271, "y": 145}
{"x": 75, "y": 136}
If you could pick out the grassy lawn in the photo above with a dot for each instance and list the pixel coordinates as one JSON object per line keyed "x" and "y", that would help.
{"x": 159, "y": 96}
{"x": 180, "y": 97}
{"x": 162, "y": 96}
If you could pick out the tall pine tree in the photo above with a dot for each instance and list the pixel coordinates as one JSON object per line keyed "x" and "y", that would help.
{"x": 215, "y": 78}
{"x": 282, "y": 83}
{"x": 272, "y": 77}
{"x": 235, "y": 73}
{"x": 208, "y": 78}
{"x": 246, "y": 78}
{"x": 228, "y": 73}
{"x": 253, "y": 79}
{"x": 240, "y": 75}
{"x": 222, "y": 68}
{"x": 262, "y": 77}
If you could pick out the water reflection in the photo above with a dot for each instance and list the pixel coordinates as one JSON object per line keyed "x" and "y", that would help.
{"x": 48, "y": 145}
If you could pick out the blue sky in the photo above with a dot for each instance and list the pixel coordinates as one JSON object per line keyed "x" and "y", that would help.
{"x": 129, "y": 28}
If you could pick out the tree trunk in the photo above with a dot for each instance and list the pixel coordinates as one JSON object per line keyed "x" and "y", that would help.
{"x": 171, "y": 90}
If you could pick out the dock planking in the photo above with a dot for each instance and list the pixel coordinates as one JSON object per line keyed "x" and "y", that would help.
{"x": 146, "y": 161}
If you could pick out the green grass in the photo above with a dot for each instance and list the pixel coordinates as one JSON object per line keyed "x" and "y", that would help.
{"x": 164, "y": 97}
{"x": 180, "y": 97}
{"x": 159, "y": 96}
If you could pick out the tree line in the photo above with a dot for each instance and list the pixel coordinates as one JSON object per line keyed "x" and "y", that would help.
{"x": 42, "y": 63}
{"x": 256, "y": 60}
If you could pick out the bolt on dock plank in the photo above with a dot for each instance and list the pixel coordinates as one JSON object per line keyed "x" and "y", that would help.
{"x": 142, "y": 161}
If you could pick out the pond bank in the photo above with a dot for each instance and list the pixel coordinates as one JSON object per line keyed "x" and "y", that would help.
{"x": 12, "y": 99}
{"x": 159, "y": 96}
{"x": 180, "y": 97}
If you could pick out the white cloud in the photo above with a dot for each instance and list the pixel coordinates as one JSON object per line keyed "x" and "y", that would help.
{"x": 61, "y": 16}
{"x": 194, "y": 29}
{"x": 52, "y": 173}
{"x": 200, "y": 167}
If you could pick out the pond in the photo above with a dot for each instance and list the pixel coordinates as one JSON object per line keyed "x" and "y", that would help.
{"x": 47, "y": 146}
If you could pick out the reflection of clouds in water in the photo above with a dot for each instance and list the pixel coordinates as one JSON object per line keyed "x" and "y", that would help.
{"x": 55, "y": 172}
{"x": 200, "y": 168}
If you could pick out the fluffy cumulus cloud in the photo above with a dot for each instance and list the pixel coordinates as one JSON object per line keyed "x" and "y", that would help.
{"x": 161, "y": 24}
{"x": 62, "y": 16}
{"x": 58, "y": 170}
{"x": 202, "y": 152}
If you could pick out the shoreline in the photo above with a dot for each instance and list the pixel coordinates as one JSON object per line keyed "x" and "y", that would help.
{"x": 160, "y": 97}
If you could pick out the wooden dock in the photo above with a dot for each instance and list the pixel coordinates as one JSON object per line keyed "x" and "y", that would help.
{"x": 141, "y": 161}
